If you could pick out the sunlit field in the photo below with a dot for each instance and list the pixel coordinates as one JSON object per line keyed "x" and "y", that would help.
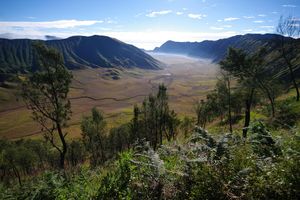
{"x": 187, "y": 79}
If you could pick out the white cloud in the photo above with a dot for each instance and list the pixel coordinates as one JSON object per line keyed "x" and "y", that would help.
{"x": 262, "y": 15}
{"x": 258, "y": 21}
{"x": 289, "y": 6}
{"x": 151, "y": 39}
{"x": 248, "y": 30}
{"x": 249, "y": 17}
{"x": 110, "y": 21}
{"x": 61, "y": 24}
{"x": 157, "y": 13}
{"x": 196, "y": 16}
{"x": 139, "y": 14}
{"x": 216, "y": 28}
{"x": 262, "y": 32}
{"x": 142, "y": 39}
{"x": 184, "y": 9}
{"x": 179, "y": 13}
{"x": 227, "y": 26}
{"x": 105, "y": 29}
{"x": 269, "y": 27}
{"x": 231, "y": 19}
{"x": 274, "y": 12}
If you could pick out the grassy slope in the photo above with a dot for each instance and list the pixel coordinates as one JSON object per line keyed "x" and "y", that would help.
{"x": 259, "y": 114}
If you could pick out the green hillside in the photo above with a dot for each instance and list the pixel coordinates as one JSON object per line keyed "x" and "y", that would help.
{"x": 216, "y": 50}
{"x": 78, "y": 52}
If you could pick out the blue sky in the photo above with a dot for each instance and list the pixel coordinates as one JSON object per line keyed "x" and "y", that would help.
{"x": 144, "y": 23}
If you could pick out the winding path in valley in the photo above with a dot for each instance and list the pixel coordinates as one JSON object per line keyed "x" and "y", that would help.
{"x": 166, "y": 76}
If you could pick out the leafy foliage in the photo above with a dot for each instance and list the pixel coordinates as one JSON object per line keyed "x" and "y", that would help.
{"x": 45, "y": 93}
{"x": 155, "y": 119}
{"x": 82, "y": 184}
{"x": 261, "y": 139}
{"x": 288, "y": 113}
{"x": 115, "y": 185}
{"x": 93, "y": 133}
{"x": 207, "y": 168}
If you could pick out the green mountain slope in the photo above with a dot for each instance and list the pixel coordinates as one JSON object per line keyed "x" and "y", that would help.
{"x": 216, "y": 50}
{"x": 78, "y": 52}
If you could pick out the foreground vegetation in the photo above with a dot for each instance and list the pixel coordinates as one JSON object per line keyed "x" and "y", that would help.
{"x": 205, "y": 166}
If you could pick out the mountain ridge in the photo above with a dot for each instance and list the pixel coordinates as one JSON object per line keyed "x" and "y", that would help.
{"x": 216, "y": 50}
{"x": 95, "y": 51}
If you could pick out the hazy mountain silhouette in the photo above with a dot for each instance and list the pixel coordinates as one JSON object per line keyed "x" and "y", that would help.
{"x": 52, "y": 37}
{"x": 216, "y": 50}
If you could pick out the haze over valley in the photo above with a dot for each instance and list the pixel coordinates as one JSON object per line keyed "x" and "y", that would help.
{"x": 188, "y": 79}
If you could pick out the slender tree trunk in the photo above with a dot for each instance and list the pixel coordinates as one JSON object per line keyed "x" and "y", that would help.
{"x": 3, "y": 174}
{"x": 272, "y": 105}
{"x": 101, "y": 145}
{"x": 102, "y": 152}
{"x": 64, "y": 146}
{"x": 157, "y": 136}
{"x": 248, "y": 113}
{"x": 271, "y": 99}
{"x": 294, "y": 81}
{"x": 229, "y": 106}
{"x": 290, "y": 69}
{"x": 292, "y": 75}
{"x": 247, "y": 119}
{"x": 269, "y": 95}
{"x": 17, "y": 174}
{"x": 153, "y": 133}
{"x": 160, "y": 131}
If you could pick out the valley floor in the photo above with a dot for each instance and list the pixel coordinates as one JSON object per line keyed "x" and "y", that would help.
{"x": 187, "y": 80}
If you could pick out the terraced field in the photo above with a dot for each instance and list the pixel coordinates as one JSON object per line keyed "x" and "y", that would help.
{"x": 187, "y": 79}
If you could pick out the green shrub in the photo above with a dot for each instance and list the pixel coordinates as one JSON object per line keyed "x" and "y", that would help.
{"x": 115, "y": 185}
{"x": 288, "y": 113}
{"x": 262, "y": 141}
{"x": 205, "y": 167}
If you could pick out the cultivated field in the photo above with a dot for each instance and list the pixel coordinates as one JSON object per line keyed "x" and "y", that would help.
{"x": 187, "y": 80}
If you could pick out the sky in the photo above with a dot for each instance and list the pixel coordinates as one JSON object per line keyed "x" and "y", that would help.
{"x": 143, "y": 23}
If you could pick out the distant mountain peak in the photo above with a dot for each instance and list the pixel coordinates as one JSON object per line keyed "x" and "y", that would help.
{"x": 78, "y": 52}
{"x": 51, "y": 37}
{"x": 216, "y": 50}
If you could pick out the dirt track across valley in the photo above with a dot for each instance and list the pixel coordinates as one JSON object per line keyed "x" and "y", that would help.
{"x": 187, "y": 80}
